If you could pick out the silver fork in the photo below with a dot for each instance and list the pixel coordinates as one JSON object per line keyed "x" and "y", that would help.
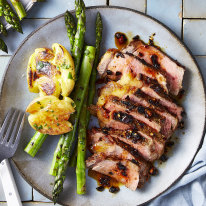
{"x": 10, "y": 134}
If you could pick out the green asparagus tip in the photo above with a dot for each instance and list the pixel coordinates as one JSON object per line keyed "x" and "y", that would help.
{"x": 79, "y": 7}
{"x": 3, "y": 46}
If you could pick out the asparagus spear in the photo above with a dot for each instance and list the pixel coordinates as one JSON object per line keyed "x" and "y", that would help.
{"x": 57, "y": 156}
{"x": 79, "y": 36}
{"x": 35, "y": 143}
{"x": 3, "y": 29}
{"x": 79, "y": 95}
{"x": 85, "y": 115}
{"x": 3, "y": 46}
{"x": 99, "y": 28}
{"x": 73, "y": 159}
{"x": 19, "y": 8}
{"x": 10, "y": 15}
{"x": 71, "y": 27}
{"x": 81, "y": 151}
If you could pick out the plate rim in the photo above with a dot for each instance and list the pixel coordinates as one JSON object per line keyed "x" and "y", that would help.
{"x": 147, "y": 16}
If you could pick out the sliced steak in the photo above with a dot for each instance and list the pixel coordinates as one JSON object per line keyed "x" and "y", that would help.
{"x": 171, "y": 121}
{"x": 148, "y": 142}
{"x": 139, "y": 112}
{"x": 118, "y": 64}
{"x": 98, "y": 142}
{"x": 104, "y": 145}
{"x": 122, "y": 120}
{"x": 152, "y": 55}
{"x": 133, "y": 140}
{"x": 105, "y": 60}
{"x": 123, "y": 171}
{"x": 164, "y": 100}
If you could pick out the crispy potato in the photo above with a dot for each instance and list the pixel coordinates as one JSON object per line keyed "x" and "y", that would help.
{"x": 51, "y": 71}
{"x": 49, "y": 115}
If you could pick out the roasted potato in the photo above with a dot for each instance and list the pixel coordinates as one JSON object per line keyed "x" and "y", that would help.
{"x": 51, "y": 71}
{"x": 49, "y": 115}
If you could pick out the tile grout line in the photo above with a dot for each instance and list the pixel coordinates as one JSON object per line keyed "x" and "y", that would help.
{"x": 32, "y": 194}
{"x": 37, "y": 18}
{"x": 145, "y": 6}
{"x": 182, "y": 30}
{"x": 189, "y": 18}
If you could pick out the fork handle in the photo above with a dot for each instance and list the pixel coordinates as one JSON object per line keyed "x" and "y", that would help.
{"x": 9, "y": 185}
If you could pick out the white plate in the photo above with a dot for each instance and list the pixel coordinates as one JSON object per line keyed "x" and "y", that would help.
{"x": 14, "y": 92}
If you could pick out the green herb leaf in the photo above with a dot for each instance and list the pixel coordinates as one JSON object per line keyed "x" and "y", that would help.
{"x": 70, "y": 75}
{"x": 40, "y": 65}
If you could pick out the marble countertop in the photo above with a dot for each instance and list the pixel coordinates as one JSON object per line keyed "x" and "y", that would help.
{"x": 187, "y": 18}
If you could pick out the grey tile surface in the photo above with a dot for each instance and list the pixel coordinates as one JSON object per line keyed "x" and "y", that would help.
{"x": 194, "y": 9}
{"x": 168, "y": 12}
{"x": 25, "y": 190}
{"x": 201, "y": 60}
{"x": 139, "y": 5}
{"x": 194, "y": 35}
{"x": 38, "y": 197}
{"x": 51, "y": 8}
{"x": 3, "y": 62}
{"x": 28, "y": 26}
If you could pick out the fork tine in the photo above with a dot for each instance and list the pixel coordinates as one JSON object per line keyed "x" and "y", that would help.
{"x": 5, "y": 123}
{"x": 17, "y": 127}
{"x": 19, "y": 132}
{"x": 9, "y": 129}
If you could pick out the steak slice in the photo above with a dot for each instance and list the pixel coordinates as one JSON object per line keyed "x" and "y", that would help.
{"x": 121, "y": 144}
{"x": 122, "y": 120}
{"x": 106, "y": 146}
{"x": 123, "y": 171}
{"x": 98, "y": 142}
{"x": 171, "y": 121}
{"x": 105, "y": 60}
{"x": 152, "y": 55}
{"x": 118, "y": 64}
{"x": 148, "y": 142}
{"x": 139, "y": 112}
{"x": 133, "y": 140}
{"x": 164, "y": 100}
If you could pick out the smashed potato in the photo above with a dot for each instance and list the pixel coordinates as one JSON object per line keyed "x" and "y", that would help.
{"x": 51, "y": 71}
{"x": 49, "y": 115}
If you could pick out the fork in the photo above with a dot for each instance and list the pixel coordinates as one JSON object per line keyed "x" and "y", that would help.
{"x": 10, "y": 134}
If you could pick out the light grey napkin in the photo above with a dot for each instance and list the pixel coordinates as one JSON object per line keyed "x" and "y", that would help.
{"x": 191, "y": 188}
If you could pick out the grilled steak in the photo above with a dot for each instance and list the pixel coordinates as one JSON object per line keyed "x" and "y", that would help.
{"x": 118, "y": 64}
{"x": 98, "y": 142}
{"x": 149, "y": 143}
{"x": 124, "y": 144}
{"x": 136, "y": 110}
{"x": 139, "y": 112}
{"x": 142, "y": 98}
{"x": 152, "y": 55}
{"x": 124, "y": 171}
{"x": 164, "y": 100}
